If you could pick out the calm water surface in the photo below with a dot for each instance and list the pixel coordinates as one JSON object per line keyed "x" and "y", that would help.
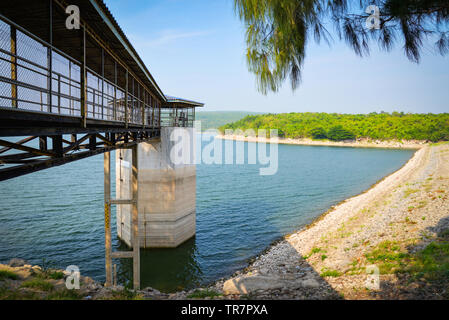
{"x": 57, "y": 214}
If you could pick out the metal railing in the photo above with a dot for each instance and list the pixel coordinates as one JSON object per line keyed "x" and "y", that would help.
{"x": 37, "y": 77}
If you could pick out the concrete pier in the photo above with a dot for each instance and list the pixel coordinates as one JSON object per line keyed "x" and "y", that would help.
{"x": 166, "y": 190}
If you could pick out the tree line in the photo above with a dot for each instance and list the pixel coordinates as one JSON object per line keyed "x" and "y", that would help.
{"x": 337, "y": 127}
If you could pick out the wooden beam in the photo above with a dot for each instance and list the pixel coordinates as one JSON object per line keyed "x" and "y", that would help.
{"x": 18, "y": 142}
{"x": 135, "y": 220}
{"x": 122, "y": 254}
{"x": 14, "y": 66}
{"x": 107, "y": 218}
{"x": 58, "y": 149}
{"x": 25, "y": 148}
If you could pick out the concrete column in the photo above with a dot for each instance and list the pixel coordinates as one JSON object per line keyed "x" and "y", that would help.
{"x": 166, "y": 190}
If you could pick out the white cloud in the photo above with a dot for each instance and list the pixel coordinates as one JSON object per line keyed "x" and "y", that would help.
{"x": 166, "y": 37}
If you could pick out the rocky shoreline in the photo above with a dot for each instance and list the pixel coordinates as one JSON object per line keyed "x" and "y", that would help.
{"x": 358, "y": 143}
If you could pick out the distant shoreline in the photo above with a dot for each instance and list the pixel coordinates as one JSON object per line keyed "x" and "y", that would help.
{"x": 360, "y": 143}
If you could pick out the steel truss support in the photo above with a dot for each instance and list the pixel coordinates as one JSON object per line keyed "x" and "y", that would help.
{"x": 17, "y": 159}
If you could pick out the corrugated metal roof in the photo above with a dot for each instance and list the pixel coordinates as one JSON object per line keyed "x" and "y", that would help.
{"x": 172, "y": 99}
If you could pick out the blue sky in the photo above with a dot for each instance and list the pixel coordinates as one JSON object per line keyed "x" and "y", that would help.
{"x": 195, "y": 49}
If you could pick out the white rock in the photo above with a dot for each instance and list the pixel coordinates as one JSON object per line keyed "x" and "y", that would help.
{"x": 248, "y": 284}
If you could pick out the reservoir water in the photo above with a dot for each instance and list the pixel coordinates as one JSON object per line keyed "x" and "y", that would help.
{"x": 57, "y": 214}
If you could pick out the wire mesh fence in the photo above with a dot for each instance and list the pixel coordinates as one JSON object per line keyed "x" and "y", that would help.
{"x": 37, "y": 77}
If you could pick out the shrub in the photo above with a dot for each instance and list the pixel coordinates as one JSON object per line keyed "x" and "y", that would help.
{"x": 338, "y": 133}
{"x": 318, "y": 133}
{"x": 6, "y": 274}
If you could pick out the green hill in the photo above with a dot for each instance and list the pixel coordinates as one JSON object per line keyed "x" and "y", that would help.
{"x": 334, "y": 126}
{"x": 216, "y": 119}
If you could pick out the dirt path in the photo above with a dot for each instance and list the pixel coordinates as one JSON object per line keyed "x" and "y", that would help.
{"x": 388, "y": 228}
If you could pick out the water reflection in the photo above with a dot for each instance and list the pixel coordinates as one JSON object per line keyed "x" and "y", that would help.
{"x": 168, "y": 270}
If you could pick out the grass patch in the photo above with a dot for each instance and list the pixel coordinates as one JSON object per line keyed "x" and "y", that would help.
{"x": 432, "y": 263}
{"x": 55, "y": 275}
{"x": 8, "y": 294}
{"x": 435, "y": 144}
{"x": 422, "y": 204}
{"x": 312, "y": 252}
{"x": 125, "y": 294}
{"x": 409, "y": 192}
{"x": 387, "y": 256}
{"x": 201, "y": 294}
{"x": 329, "y": 273}
{"x": 37, "y": 283}
{"x": 64, "y": 295}
{"x": 6, "y": 274}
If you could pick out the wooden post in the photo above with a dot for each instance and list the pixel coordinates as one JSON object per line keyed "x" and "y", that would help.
{"x": 13, "y": 66}
{"x": 107, "y": 217}
{"x": 57, "y": 145}
{"x": 43, "y": 143}
{"x": 135, "y": 221}
{"x": 115, "y": 275}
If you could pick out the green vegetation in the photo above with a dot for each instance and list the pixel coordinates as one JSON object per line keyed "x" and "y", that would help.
{"x": 334, "y": 126}
{"x": 387, "y": 256}
{"x": 312, "y": 252}
{"x": 201, "y": 294}
{"x": 64, "y": 294}
{"x": 216, "y": 119}
{"x": 125, "y": 294}
{"x": 430, "y": 263}
{"x": 6, "y": 274}
{"x": 37, "y": 283}
{"x": 55, "y": 275}
{"x": 7, "y": 294}
{"x": 330, "y": 273}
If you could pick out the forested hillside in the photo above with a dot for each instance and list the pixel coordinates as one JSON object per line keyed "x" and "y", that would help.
{"x": 334, "y": 126}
